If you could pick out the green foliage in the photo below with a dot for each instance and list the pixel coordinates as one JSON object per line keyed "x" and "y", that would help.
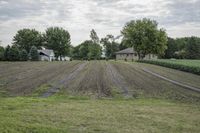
{"x": 183, "y": 48}
{"x": 94, "y": 37}
{"x": 94, "y": 51}
{"x": 171, "y": 48}
{"x": 89, "y": 49}
{"x": 58, "y": 39}
{"x": 2, "y": 50}
{"x": 23, "y": 55}
{"x": 6, "y": 53}
{"x": 34, "y": 56}
{"x": 26, "y": 38}
{"x": 14, "y": 53}
{"x": 94, "y": 46}
{"x": 193, "y": 48}
{"x": 175, "y": 65}
{"x": 84, "y": 49}
{"x": 145, "y": 37}
{"x": 110, "y": 46}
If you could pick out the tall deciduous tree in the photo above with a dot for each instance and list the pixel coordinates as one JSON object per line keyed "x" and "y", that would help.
{"x": 145, "y": 37}
{"x": 94, "y": 37}
{"x": 110, "y": 46}
{"x": 94, "y": 48}
{"x": 26, "y": 38}
{"x": 58, "y": 39}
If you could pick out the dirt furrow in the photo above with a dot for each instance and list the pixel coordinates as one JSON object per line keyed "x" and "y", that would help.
{"x": 117, "y": 79}
{"x": 64, "y": 82}
{"x": 35, "y": 79}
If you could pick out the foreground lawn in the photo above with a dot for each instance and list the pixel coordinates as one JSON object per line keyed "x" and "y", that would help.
{"x": 75, "y": 114}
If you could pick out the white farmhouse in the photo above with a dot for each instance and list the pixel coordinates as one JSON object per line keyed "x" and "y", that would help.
{"x": 46, "y": 55}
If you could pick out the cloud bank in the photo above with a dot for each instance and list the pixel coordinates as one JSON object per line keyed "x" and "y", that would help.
{"x": 180, "y": 18}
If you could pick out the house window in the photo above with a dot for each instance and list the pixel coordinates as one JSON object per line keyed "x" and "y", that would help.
{"x": 135, "y": 54}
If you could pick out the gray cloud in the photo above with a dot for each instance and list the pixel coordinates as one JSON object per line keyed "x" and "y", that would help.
{"x": 180, "y": 18}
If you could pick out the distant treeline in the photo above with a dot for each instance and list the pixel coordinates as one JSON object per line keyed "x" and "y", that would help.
{"x": 143, "y": 35}
{"x": 183, "y": 48}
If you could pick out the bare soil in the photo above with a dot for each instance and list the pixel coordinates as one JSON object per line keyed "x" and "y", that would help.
{"x": 95, "y": 78}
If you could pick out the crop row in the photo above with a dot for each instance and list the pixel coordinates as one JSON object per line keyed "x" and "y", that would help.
{"x": 182, "y": 67}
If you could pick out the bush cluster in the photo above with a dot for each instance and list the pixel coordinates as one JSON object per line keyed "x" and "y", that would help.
{"x": 191, "y": 69}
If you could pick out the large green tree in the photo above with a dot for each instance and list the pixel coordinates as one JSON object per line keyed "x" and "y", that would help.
{"x": 110, "y": 46}
{"x": 26, "y": 38}
{"x": 145, "y": 37}
{"x": 58, "y": 39}
{"x": 95, "y": 50}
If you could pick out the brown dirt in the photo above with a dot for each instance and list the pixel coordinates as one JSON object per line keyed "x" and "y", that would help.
{"x": 94, "y": 78}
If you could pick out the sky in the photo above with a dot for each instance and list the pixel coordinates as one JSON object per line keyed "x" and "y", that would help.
{"x": 180, "y": 18}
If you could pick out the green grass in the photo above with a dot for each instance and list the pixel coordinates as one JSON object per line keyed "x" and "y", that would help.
{"x": 64, "y": 114}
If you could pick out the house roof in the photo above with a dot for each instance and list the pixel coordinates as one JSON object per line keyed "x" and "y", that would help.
{"x": 126, "y": 51}
{"x": 47, "y": 52}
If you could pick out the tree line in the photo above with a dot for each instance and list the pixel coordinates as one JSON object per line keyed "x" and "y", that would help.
{"x": 143, "y": 35}
{"x": 183, "y": 48}
{"x": 26, "y": 42}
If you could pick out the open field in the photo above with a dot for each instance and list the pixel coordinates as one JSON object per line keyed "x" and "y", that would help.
{"x": 94, "y": 79}
{"x": 96, "y": 96}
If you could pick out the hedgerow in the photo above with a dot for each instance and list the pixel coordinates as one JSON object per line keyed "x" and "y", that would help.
{"x": 191, "y": 69}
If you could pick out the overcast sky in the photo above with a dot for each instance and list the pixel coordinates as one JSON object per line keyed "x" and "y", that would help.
{"x": 179, "y": 17}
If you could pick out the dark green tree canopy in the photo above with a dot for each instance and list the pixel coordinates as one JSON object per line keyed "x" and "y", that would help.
{"x": 26, "y": 38}
{"x": 14, "y": 53}
{"x": 34, "y": 56}
{"x": 7, "y": 53}
{"x": 145, "y": 37}
{"x": 84, "y": 49}
{"x": 183, "y": 48}
{"x": 193, "y": 48}
{"x": 58, "y": 39}
{"x": 23, "y": 55}
{"x": 2, "y": 50}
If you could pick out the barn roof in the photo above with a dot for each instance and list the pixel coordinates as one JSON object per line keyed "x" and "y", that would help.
{"x": 126, "y": 51}
{"x": 47, "y": 52}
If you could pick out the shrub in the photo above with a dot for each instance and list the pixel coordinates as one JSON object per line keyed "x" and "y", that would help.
{"x": 34, "y": 56}
{"x": 23, "y": 55}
